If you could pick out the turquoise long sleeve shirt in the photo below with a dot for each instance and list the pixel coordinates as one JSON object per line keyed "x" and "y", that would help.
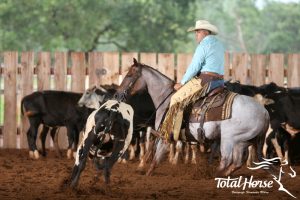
{"x": 209, "y": 57}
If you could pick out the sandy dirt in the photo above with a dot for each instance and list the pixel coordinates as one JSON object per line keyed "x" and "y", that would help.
{"x": 22, "y": 178}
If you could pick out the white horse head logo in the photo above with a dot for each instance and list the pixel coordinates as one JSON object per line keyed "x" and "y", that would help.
{"x": 269, "y": 162}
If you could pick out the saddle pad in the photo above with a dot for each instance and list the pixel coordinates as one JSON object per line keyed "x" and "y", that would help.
{"x": 219, "y": 109}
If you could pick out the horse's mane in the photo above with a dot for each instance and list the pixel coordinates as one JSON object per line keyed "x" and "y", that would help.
{"x": 151, "y": 68}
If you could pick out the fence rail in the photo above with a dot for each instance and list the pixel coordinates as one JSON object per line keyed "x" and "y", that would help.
{"x": 21, "y": 73}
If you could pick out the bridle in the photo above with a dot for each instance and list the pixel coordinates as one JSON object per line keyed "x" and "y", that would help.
{"x": 121, "y": 96}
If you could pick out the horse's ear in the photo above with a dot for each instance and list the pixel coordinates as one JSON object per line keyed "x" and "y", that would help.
{"x": 135, "y": 62}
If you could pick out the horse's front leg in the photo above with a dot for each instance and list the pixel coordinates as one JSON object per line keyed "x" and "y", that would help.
{"x": 160, "y": 152}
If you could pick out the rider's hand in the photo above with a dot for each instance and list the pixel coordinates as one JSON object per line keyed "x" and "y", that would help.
{"x": 177, "y": 86}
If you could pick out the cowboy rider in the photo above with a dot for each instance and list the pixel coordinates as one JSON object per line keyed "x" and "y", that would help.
{"x": 207, "y": 66}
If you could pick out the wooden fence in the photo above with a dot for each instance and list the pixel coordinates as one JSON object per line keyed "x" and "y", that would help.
{"x": 21, "y": 73}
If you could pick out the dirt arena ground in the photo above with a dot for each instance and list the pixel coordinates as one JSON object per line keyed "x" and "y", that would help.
{"x": 22, "y": 178}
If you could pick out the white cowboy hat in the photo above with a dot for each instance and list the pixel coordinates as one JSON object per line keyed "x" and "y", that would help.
{"x": 203, "y": 24}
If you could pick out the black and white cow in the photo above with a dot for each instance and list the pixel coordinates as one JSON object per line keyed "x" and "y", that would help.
{"x": 107, "y": 135}
{"x": 53, "y": 109}
{"x": 143, "y": 108}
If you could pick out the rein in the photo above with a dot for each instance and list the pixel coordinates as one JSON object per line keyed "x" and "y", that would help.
{"x": 122, "y": 96}
{"x": 161, "y": 103}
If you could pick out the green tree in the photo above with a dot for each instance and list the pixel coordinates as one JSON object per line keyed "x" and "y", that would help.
{"x": 281, "y": 28}
{"x": 94, "y": 24}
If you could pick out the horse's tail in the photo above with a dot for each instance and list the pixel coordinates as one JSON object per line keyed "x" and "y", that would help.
{"x": 261, "y": 138}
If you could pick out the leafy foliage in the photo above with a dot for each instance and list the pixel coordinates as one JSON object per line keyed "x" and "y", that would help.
{"x": 146, "y": 25}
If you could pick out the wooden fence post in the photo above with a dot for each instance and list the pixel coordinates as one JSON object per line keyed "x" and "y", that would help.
{"x": 258, "y": 70}
{"x": 183, "y": 61}
{"x": 276, "y": 69}
{"x": 149, "y": 59}
{"x": 43, "y": 71}
{"x": 78, "y": 71}
{"x": 227, "y": 67}
{"x": 126, "y": 62}
{"x": 43, "y": 80}
{"x": 60, "y": 77}
{"x": 27, "y": 67}
{"x": 293, "y": 71}
{"x": 166, "y": 64}
{"x": 111, "y": 65}
{"x": 10, "y": 100}
{"x": 240, "y": 67}
{"x": 96, "y": 72}
{"x": 60, "y": 70}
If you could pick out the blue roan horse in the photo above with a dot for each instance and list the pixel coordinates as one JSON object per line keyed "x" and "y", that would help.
{"x": 247, "y": 126}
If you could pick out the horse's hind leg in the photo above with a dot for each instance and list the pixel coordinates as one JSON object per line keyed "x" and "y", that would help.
{"x": 226, "y": 157}
{"x": 238, "y": 153}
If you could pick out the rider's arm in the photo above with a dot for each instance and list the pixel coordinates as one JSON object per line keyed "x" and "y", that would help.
{"x": 195, "y": 66}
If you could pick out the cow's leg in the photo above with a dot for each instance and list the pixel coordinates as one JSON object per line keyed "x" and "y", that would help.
{"x": 277, "y": 148}
{"x": 194, "y": 153}
{"x": 110, "y": 161}
{"x": 187, "y": 153}
{"x": 71, "y": 138}
{"x": 265, "y": 146}
{"x": 54, "y": 137}
{"x": 142, "y": 144}
{"x": 76, "y": 140}
{"x": 148, "y": 136}
{"x": 31, "y": 137}
{"x": 202, "y": 148}
{"x": 81, "y": 157}
{"x": 178, "y": 151}
{"x": 132, "y": 151}
{"x": 43, "y": 137}
{"x": 171, "y": 152}
{"x": 142, "y": 150}
{"x": 286, "y": 151}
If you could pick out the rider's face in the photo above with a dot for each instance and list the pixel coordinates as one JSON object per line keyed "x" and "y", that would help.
{"x": 200, "y": 34}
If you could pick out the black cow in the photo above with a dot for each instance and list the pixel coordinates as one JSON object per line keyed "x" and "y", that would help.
{"x": 285, "y": 124}
{"x": 107, "y": 135}
{"x": 53, "y": 109}
{"x": 283, "y": 105}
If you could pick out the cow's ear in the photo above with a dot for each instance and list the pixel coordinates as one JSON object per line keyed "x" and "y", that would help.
{"x": 135, "y": 62}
